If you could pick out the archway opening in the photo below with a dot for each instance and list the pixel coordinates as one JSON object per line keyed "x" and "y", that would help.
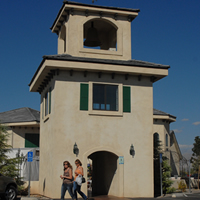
{"x": 102, "y": 180}
{"x": 106, "y": 34}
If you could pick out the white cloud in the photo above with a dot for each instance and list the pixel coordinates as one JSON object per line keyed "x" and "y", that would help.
{"x": 196, "y": 123}
{"x": 184, "y": 146}
{"x": 184, "y": 120}
{"x": 177, "y": 130}
{"x": 186, "y": 150}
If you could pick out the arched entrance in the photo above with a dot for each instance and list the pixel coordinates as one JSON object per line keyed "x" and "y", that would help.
{"x": 105, "y": 178}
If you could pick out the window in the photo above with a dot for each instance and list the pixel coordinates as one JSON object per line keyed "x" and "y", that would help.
{"x": 32, "y": 140}
{"x": 166, "y": 140}
{"x": 105, "y": 97}
{"x": 46, "y": 107}
{"x": 46, "y": 102}
{"x": 156, "y": 137}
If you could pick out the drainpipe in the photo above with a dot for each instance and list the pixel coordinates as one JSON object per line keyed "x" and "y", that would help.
{"x": 189, "y": 178}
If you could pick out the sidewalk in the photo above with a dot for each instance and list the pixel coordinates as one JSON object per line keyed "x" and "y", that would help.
{"x": 177, "y": 195}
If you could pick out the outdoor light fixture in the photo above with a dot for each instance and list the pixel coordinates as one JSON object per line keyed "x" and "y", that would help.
{"x": 76, "y": 150}
{"x": 132, "y": 151}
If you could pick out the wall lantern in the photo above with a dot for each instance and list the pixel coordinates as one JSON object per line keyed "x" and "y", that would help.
{"x": 132, "y": 151}
{"x": 76, "y": 150}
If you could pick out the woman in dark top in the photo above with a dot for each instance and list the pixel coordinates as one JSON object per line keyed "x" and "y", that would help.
{"x": 67, "y": 180}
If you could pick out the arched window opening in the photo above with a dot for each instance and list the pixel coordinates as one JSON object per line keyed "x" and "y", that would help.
{"x": 100, "y": 34}
{"x": 156, "y": 137}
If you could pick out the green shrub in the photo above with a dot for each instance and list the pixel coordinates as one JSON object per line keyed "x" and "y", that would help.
{"x": 22, "y": 190}
{"x": 182, "y": 186}
{"x": 171, "y": 190}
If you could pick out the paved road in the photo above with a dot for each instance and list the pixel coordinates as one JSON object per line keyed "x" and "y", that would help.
{"x": 179, "y": 196}
{"x": 194, "y": 196}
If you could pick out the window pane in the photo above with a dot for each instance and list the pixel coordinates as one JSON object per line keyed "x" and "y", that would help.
{"x": 49, "y": 100}
{"x": 46, "y": 104}
{"x": 98, "y": 97}
{"x": 166, "y": 140}
{"x": 112, "y": 97}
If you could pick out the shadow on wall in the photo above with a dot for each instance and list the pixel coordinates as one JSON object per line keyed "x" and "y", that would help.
{"x": 44, "y": 184}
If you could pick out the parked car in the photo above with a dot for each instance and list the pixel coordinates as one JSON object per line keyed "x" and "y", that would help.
{"x": 8, "y": 188}
{"x": 195, "y": 176}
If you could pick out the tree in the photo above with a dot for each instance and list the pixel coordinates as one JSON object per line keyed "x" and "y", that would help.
{"x": 157, "y": 149}
{"x": 166, "y": 174}
{"x": 8, "y": 166}
{"x": 195, "y": 159}
{"x": 166, "y": 170}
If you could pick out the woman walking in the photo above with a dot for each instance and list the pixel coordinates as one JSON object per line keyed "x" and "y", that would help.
{"x": 77, "y": 188}
{"x": 67, "y": 180}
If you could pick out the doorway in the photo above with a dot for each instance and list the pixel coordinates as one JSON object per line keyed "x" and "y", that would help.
{"x": 104, "y": 176}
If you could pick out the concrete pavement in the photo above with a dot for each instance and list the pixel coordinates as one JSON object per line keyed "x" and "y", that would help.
{"x": 194, "y": 195}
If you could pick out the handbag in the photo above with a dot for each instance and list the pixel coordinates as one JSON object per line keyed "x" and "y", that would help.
{"x": 83, "y": 180}
{"x": 79, "y": 179}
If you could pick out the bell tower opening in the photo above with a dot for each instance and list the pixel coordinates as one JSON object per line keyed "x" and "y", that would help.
{"x": 100, "y": 34}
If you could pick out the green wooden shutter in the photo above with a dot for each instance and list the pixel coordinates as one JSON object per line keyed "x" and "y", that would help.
{"x": 126, "y": 99}
{"x": 84, "y": 96}
{"x": 32, "y": 140}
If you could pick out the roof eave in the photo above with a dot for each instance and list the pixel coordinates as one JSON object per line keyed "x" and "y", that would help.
{"x": 25, "y": 124}
{"x": 48, "y": 65}
{"x": 170, "y": 118}
{"x": 67, "y": 6}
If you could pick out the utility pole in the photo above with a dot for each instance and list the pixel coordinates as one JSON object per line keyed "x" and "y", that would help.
{"x": 189, "y": 179}
{"x": 161, "y": 189}
{"x": 198, "y": 177}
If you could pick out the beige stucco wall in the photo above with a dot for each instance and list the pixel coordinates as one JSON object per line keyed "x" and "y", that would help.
{"x": 162, "y": 127}
{"x": 175, "y": 159}
{"x": 17, "y": 135}
{"x": 74, "y": 37}
{"x": 67, "y": 124}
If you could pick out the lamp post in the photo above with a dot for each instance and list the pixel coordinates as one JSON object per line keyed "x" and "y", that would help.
{"x": 189, "y": 179}
{"x": 161, "y": 188}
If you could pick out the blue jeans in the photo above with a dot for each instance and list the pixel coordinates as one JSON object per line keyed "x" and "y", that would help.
{"x": 66, "y": 187}
{"x": 77, "y": 188}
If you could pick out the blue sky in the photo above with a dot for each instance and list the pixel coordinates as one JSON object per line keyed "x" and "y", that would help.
{"x": 165, "y": 32}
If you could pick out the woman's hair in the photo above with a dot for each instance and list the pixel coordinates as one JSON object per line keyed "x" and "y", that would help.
{"x": 78, "y": 161}
{"x": 68, "y": 163}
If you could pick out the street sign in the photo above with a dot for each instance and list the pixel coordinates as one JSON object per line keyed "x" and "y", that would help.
{"x": 30, "y": 156}
{"x": 121, "y": 160}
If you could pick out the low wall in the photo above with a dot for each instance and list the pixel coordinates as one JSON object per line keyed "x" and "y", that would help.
{"x": 193, "y": 182}
{"x": 34, "y": 187}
